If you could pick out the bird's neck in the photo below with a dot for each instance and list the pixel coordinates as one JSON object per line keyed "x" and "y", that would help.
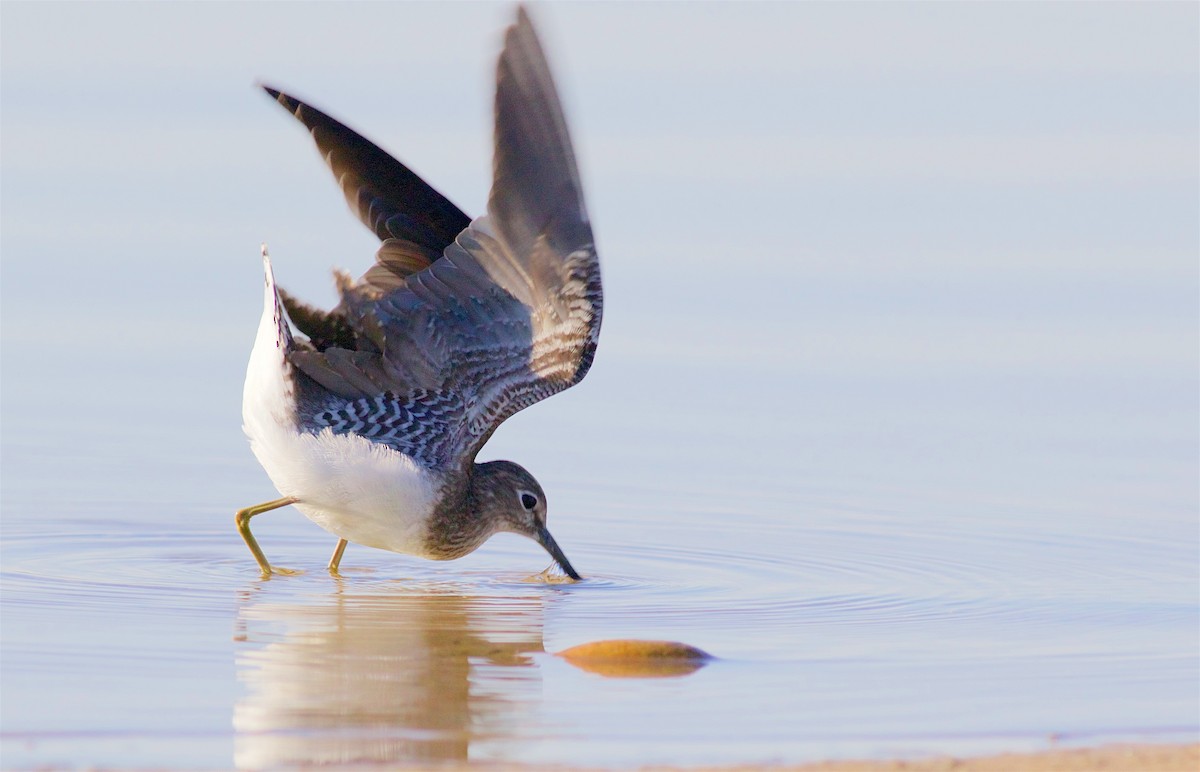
{"x": 459, "y": 523}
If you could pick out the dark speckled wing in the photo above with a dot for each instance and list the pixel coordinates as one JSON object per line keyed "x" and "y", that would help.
{"x": 414, "y": 221}
{"x": 384, "y": 194}
{"x": 507, "y": 316}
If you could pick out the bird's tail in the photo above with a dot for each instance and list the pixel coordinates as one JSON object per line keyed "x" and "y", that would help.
{"x": 269, "y": 392}
{"x": 274, "y": 320}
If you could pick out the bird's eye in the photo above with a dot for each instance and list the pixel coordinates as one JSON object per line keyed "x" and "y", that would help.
{"x": 528, "y": 500}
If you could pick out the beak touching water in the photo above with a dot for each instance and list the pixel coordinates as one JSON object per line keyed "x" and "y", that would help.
{"x": 547, "y": 541}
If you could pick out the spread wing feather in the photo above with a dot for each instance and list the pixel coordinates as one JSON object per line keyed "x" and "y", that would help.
{"x": 384, "y": 194}
{"x": 510, "y": 312}
{"x": 414, "y": 221}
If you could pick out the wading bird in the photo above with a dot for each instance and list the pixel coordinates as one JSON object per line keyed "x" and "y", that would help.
{"x": 371, "y": 422}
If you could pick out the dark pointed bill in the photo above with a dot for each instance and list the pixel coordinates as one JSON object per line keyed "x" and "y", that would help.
{"x": 547, "y": 541}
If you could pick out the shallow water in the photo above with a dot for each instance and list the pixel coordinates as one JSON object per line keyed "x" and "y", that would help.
{"x": 908, "y": 445}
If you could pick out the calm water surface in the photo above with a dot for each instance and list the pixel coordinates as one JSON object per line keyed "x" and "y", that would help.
{"x": 894, "y": 411}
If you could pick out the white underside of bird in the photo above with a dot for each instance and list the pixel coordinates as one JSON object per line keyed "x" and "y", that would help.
{"x": 355, "y": 489}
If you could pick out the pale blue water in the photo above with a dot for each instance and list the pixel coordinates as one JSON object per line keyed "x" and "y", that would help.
{"x": 895, "y": 410}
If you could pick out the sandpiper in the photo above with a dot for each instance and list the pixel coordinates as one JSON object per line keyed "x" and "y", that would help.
{"x": 370, "y": 423}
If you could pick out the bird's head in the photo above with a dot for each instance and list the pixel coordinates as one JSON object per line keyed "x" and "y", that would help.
{"x": 508, "y": 494}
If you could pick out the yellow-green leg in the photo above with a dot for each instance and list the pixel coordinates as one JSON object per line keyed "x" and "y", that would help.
{"x": 243, "y": 525}
{"x": 336, "y": 560}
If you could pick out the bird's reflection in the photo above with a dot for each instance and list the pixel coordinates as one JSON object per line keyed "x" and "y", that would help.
{"x": 376, "y": 678}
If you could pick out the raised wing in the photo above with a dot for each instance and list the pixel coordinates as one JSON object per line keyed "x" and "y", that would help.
{"x": 507, "y": 316}
{"x": 392, "y": 201}
{"x": 414, "y": 221}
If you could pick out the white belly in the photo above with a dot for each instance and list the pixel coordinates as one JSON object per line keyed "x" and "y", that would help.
{"x": 353, "y": 488}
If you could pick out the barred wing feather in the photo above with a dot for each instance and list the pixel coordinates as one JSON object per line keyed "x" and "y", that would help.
{"x": 507, "y": 316}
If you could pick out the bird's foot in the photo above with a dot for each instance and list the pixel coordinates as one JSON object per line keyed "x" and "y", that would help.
{"x": 278, "y": 571}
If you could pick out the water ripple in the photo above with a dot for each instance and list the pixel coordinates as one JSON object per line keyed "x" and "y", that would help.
{"x": 862, "y": 575}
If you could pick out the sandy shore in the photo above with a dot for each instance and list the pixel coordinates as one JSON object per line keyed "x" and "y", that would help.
{"x": 1114, "y": 758}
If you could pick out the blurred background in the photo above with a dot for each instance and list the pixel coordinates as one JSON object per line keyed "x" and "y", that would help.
{"x": 899, "y": 359}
